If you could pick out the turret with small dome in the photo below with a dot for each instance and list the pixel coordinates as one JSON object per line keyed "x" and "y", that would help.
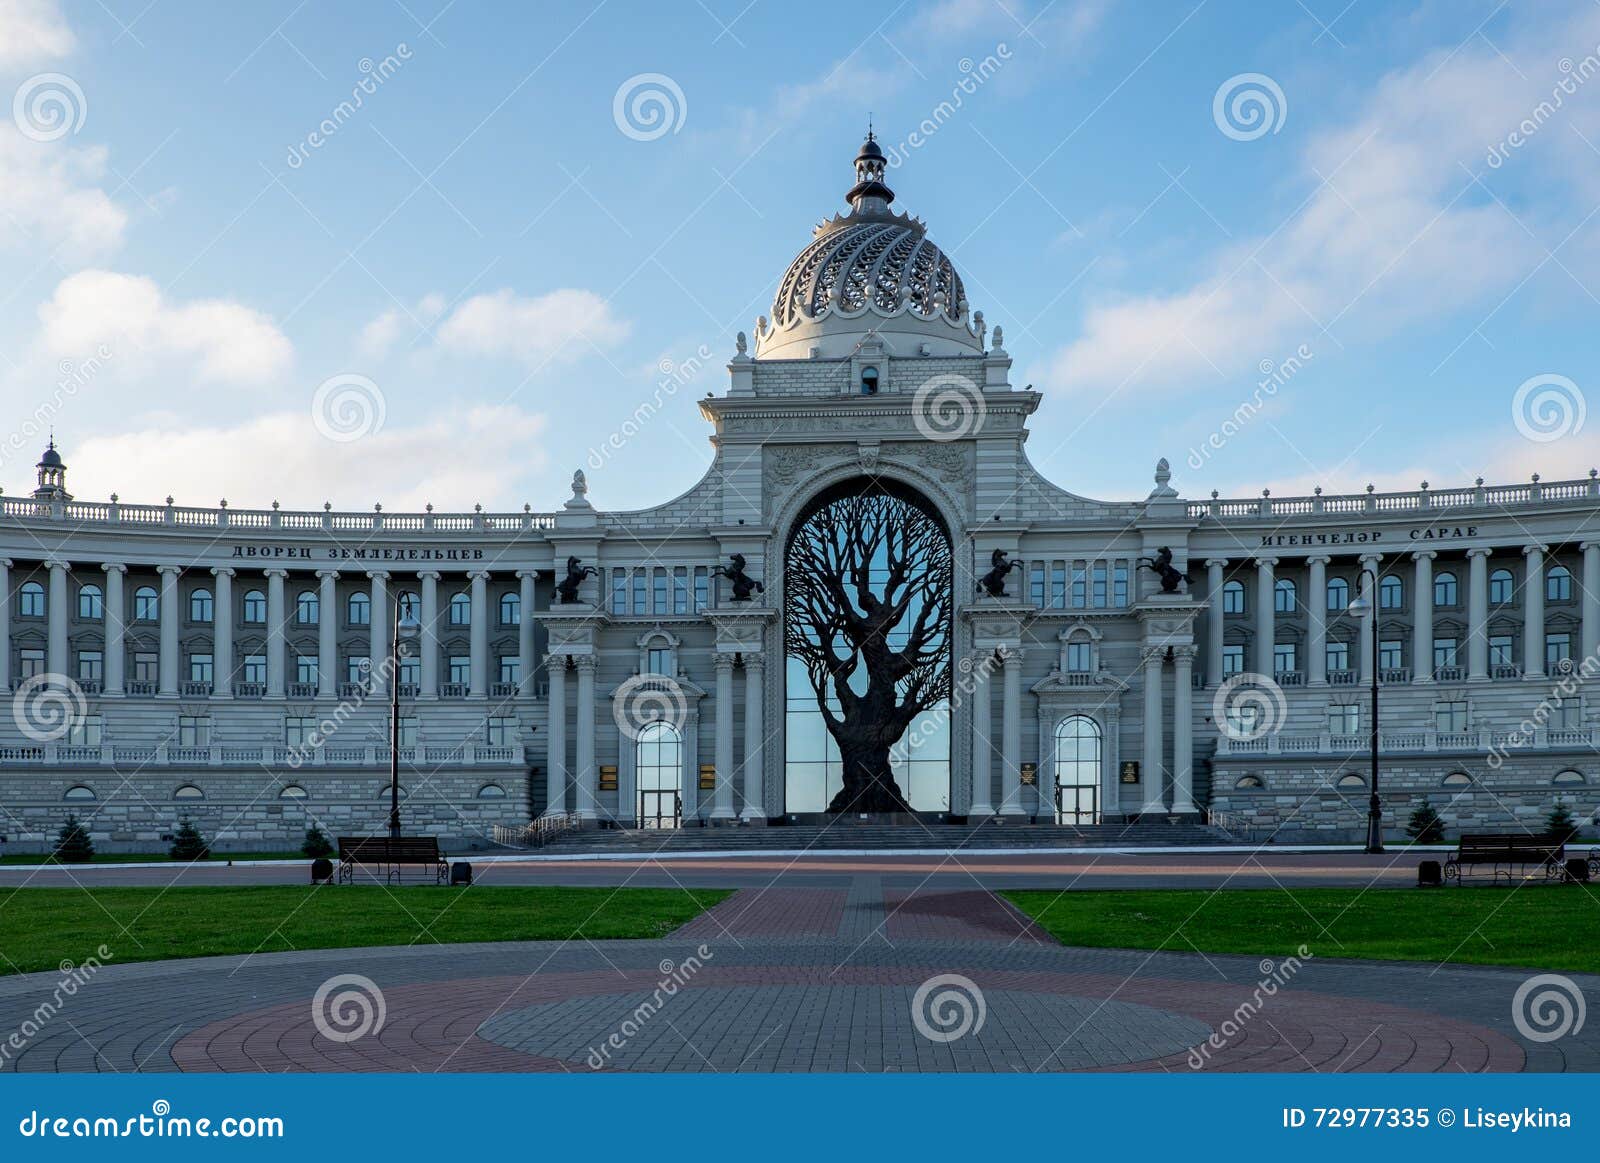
{"x": 52, "y": 476}
{"x": 871, "y": 270}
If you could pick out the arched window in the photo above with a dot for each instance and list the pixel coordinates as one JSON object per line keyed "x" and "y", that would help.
{"x": 358, "y": 610}
{"x": 79, "y": 792}
{"x": 307, "y": 608}
{"x": 658, "y": 774}
{"x": 1233, "y": 597}
{"x": 1283, "y": 596}
{"x": 146, "y": 605}
{"x": 1445, "y": 591}
{"x": 1501, "y": 586}
{"x": 1391, "y": 592}
{"x": 869, "y": 381}
{"x": 1338, "y": 594}
{"x": 1457, "y": 779}
{"x": 1077, "y": 741}
{"x": 91, "y": 603}
{"x": 292, "y": 791}
{"x": 200, "y": 605}
{"x": 460, "y": 609}
{"x": 410, "y": 606}
{"x": 1558, "y": 584}
{"x": 1569, "y": 776}
{"x": 255, "y": 607}
{"x": 32, "y": 600}
{"x": 510, "y": 609}
{"x": 1249, "y": 783}
{"x": 1352, "y": 781}
{"x": 188, "y": 792}
{"x": 491, "y": 791}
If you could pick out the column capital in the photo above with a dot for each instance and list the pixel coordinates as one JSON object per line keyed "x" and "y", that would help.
{"x": 1583, "y": 546}
{"x": 222, "y": 571}
{"x": 378, "y": 574}
{"x": 1479, "y": 551}
{"x": 556, "y": 662}
{"x": 1011, "y": 656}
{"x": 430, "y": 574}
{"x": 1152, "y": 655}
{"x": 1530, "y": 550}
{"x": 1425, "y": 554}
{"x": 1216, "y": 563}
{"x": 477, "y": 573}
{"x": 754, "y": 661}
{"x": 58, "y": 563}
{"x": 584, "y": 663}
{"x": 723, "y": 660}
{"x": 174, "y": 570}
{"x": 1183, "y": 653}
{"x": 533, "y": 573}
{"x": 1371, "y": 560}
{"x": 1319, "y": 559}
{"x": 108, "y": 566}
{"x": 276, "y": 571}
{"x": 328, "y": 573}
{"x": 1265, "y": 562}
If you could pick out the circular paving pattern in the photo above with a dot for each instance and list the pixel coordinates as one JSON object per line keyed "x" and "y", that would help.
{"x": 732, "y": 1028}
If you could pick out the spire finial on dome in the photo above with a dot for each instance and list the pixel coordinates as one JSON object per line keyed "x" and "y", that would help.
{"x": 869, "y": 196}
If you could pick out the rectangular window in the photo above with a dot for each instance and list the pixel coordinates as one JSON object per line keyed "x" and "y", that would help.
{"x": 660, "y": 588}
{"x": 1444, "y": 652}
{"x": 1036, "y": 584}
{"x": 1232, "y": 660}
{"x": 1099, "y": 585}
{"x": 32, "y": 663}
{"x": 460, "y": 669}
{"x": 1500, "y": 650}
{"x": 411, "y": 670}
{"x": 408, "y": 730}
{"x": 1244, "y": 720}
{"x": 254, "y": 669}
{"x": 1079, "y": 599}
{"x": 1058, "y": 585}
{"x": 503, "y": 731}
{"x": 1283, "y": 657}
{"x": 660, "y": 660}
{"x": 1119, "y": 584}
{"x": 357, "y": 668}
{"x": 200, "y": 668}
{"x": 298, "y": 730}
{"x": 1566, "y": 713}
{"x": 640, "y": 597}
{"x": 1344, "y": 719}
{"x": 194, "y": 731}
{"x": 146, "y": 667}
{"x": 702, "y": 587}
{"x": 619, "y": 591}
{"x": 510, "y": 669}
{"x": 1450, "y": 718}
{"x": 91, "y": 666}
{"x": 1338, "y": 654}
{"x": 1557, "y": 653}
{"x": 306, "y": 668}
{"x": 1079, "y": 657}
{"x": 86, "y": 732}
{"x": 1390, "y": 656}
{"x": 680, "y": 589}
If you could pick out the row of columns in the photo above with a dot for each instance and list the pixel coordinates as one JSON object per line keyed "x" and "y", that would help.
{"x": 1315, "y": 661}
{"x": 1008, "y": 659}
{"x": 583, "y": 776}
{"x": 57, "y": 660}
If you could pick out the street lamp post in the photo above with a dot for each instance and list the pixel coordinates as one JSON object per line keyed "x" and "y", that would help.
{"x": 406, "y": 630}
{"x": 1366, "y": 606}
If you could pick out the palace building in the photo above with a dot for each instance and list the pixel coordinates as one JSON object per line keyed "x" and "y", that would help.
{"x": 871, "y": 577}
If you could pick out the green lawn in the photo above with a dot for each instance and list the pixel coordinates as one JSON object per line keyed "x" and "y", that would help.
{"x": 41, "y": 927}
{"x": 151, "y": 858}
{"x": 1539, "y": 926}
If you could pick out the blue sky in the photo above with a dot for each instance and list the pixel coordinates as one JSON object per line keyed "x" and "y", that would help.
{"x": 484, "y": 245}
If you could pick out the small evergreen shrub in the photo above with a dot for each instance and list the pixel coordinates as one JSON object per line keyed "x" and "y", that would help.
{"x": 73, "y": 845}
{"x": 188, "y": 844}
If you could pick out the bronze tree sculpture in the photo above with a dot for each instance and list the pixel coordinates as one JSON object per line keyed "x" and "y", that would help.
{"x": 868, "y": 581}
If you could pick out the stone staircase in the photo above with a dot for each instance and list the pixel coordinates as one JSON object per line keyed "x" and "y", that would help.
{"x": 887, "y": 837}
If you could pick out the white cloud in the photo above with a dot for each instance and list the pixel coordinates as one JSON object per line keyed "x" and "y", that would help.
{"x": 49, "y": 198}
{"x": 32, "y": 32}
{"x": 560, "y": 325}
{"x": 282, "y": 457}
{"x": 1392, "y": 230}
{"x": 380, "y": 335}
{"x": 213, "y": 339}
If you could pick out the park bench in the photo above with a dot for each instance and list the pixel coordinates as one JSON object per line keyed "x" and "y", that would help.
{"x": 391, "y": 855}
{"x": 1507, "y": 852}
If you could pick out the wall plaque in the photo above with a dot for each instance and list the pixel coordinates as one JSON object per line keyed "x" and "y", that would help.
{"x": 1130, "y": 771}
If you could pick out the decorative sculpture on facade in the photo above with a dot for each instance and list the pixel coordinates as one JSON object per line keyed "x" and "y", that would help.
{"x": 743, "y": 583}
{"x": 567, "y": 588}
{"x": 1161, "y": 565}
{"x": 993, "y": 583}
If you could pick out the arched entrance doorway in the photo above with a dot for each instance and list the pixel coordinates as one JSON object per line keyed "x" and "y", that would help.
{"x": 868, "y": 597}
{"x": 658, "y": 774}
{"x": 1078, "y": 754}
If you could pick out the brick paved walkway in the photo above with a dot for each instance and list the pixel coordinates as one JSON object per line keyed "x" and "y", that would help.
{"x": 865, "y": 977}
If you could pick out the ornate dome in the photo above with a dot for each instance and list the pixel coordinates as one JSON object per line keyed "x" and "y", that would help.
{"x": 871, "y": 270}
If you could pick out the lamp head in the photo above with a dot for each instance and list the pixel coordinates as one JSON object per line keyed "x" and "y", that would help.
{"x": 1360, "y": 607}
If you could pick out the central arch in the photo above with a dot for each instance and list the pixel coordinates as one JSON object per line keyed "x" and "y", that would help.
{"x": 868, "y": 618}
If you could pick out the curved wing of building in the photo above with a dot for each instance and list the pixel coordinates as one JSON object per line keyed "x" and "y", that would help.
{"x": 1034, "y": 655}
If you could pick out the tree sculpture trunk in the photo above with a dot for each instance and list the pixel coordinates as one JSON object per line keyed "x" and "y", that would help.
{"x": 868, "y": 576}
